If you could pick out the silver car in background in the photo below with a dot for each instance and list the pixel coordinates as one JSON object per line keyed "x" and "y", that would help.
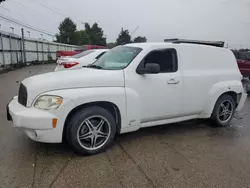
{"x": 79, "y": 60}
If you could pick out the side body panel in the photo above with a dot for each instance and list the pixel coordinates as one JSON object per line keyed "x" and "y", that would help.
{"x": 207, "y": 72}
{"x": 150, "y": 98}
{"x": 80, "y": 96}
{"x": 216, "y": 91}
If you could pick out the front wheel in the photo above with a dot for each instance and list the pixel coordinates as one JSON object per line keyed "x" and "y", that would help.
{"x": 91, "y": 130}
{"x": 224, "y": 110}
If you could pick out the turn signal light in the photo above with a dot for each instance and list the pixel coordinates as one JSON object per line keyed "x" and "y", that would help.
{"x": 54, "y": 122}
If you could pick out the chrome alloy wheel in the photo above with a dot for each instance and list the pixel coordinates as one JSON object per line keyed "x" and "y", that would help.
{"x": 225, "y": 111}
{"x": 93, "y": 132}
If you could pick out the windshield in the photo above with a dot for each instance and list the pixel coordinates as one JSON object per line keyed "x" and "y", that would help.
{"x": 118, "y": 58}
{"x": 82, "y": 54}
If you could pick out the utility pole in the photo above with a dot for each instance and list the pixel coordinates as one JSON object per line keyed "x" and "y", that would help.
{"x": 28, "y": 33}
{"x": 23, "y": 42}
{"x": 42, "y": 48}
{"x": 1, "y": 40}
{"x": 12, "y": 28}
{"x": 83, "y": 23}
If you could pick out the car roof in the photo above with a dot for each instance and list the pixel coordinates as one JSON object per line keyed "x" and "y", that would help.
{"x": 99, "y": 50}
{"x": 166, "y": 44}
{"x": 143, "y": 45}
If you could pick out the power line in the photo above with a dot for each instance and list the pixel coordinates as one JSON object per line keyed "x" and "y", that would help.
{"x": 32, "y": 11}
{"x": 20, "y": 4}
{"x": 134, "y": 30}
{"x": 24, "y": 24}
{"x": 8, "y": 19}
{"x": 56, "y": 9}
{"x": 5, "y": 8}
{"x": 11, "y": 11}
{"x": 53, "y": 10}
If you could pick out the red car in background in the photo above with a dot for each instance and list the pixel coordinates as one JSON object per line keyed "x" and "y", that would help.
{"x": 60, "y": 54}
{"x": 243, "y": 61}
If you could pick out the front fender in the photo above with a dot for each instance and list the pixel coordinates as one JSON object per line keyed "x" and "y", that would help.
{"x": 217, "y": 90}
{"x": 133, "y": 109}
{"x": 82, "y": 96}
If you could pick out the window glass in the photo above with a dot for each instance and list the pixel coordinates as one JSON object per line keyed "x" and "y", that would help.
{"x": 166, "y": 59}
{"x": 118, "y": 58}
{"x": 82, "y": 54}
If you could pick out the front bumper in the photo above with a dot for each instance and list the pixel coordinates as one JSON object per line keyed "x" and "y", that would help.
{"x": 29, "y": 118}
{"x": 36, "y": 123}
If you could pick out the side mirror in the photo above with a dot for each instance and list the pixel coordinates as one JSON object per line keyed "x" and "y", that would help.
{"x": 150, "y": 68}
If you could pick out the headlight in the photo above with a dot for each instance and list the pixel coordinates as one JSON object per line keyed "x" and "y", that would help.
{"x": 48, "y": 102}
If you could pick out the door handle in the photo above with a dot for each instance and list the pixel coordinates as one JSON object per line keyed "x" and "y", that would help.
{"x": 173, "y": 81}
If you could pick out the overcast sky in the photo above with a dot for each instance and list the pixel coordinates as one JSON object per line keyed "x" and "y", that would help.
{"x": 227, "y": 20}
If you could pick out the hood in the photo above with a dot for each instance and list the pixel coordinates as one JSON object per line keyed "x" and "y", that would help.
{"x": 79, "y": 78}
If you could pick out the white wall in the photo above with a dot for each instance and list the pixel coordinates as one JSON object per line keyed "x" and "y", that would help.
{"x": 11, "y": 47}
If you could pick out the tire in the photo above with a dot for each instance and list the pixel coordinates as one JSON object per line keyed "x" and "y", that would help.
{"x": 217, "y": 114}
{"x": 86, "y": 134}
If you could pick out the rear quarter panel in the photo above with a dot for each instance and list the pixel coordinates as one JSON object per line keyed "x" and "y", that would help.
{"x": 217, "y": 90}
{"x": 207, "y": 72}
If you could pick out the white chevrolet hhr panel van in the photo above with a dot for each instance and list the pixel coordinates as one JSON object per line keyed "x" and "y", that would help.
{"x": 128, "y": 88}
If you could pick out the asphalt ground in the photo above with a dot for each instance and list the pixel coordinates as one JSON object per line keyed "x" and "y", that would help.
{"x": 189, "y": 154}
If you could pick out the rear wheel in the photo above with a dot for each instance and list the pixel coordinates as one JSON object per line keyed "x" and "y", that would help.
{"x": 224, "y": 110}
{"x": 91, "y": 130}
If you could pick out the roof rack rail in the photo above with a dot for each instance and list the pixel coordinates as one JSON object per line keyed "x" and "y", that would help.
{"x": 211, "y": 43}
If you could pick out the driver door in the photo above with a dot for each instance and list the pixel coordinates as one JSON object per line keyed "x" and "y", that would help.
{"x": 159, "y": 94}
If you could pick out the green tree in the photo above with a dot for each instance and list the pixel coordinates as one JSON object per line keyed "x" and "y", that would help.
{"x": 67, "y": 30}
{"x": 81, "y": 37}
{"x": 140, "y": 39}
{"x": 95, "y": 34}
{"x": 124, "y": 37}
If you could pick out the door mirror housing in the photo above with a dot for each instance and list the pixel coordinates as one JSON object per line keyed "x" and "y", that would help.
{"x": 150, "y": 68}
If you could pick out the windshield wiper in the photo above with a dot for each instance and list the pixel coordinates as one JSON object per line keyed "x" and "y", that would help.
{"x": 93, "y": 66}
